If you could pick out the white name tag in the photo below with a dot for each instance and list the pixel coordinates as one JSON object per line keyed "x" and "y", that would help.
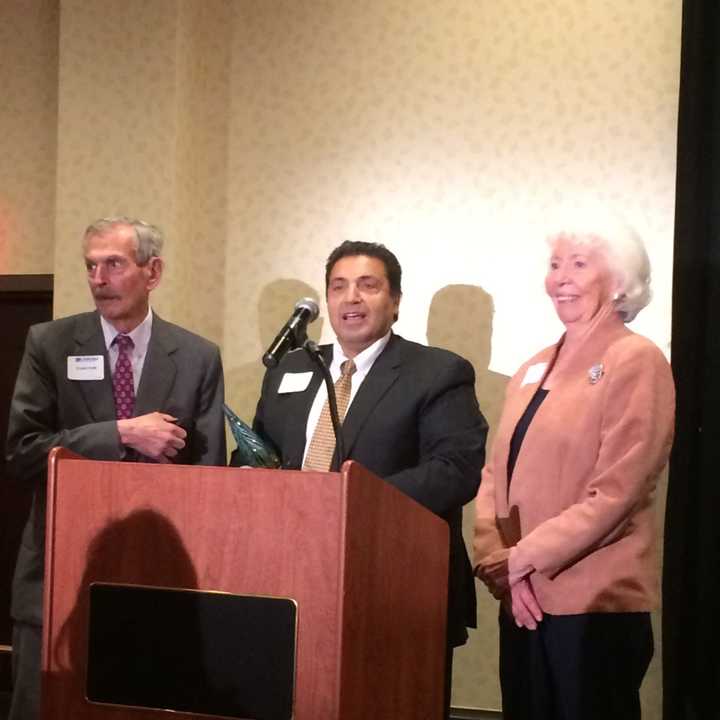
{"x": 294, "y": 382}
{"x": 86, "y": 367}
{"x": 534, "y": 374}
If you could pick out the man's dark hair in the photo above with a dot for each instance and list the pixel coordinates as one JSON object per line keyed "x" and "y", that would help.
{"x": 351, "y": 248}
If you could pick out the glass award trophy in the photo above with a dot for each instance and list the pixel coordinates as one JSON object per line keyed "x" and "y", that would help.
{"x": 252, "y": 450}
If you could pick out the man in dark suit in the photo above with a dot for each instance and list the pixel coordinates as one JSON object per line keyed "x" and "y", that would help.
{"x": 116, "y": 384}
{"x": 412, "y": 417}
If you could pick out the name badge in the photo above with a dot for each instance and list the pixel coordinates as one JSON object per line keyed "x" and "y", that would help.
{"x": 86, "y": 367}
{"x": 534, "y": 374}
{"x": 294, "y": 382}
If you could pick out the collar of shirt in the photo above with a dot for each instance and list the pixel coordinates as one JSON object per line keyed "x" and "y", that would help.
{"x": 141, "y": 339}
{"x": 363, "y": 360}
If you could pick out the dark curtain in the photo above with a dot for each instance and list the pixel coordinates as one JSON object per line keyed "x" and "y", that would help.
{"x": 691, "y": 580}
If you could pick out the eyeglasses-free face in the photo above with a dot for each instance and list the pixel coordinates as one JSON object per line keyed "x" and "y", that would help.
{"x": 119, "y": 285}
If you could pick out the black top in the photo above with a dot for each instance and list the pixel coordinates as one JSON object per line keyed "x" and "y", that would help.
{"x": 521, "y": 429}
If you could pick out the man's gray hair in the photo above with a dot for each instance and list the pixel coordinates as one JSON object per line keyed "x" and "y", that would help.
{"x": 621, "y": 246}
{"x": 149, "y": 238}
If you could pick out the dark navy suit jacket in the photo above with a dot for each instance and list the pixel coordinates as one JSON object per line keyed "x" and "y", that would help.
{"x": 414, "y": 422}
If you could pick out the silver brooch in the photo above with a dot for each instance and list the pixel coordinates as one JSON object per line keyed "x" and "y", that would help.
{"x": 595, "y": 373}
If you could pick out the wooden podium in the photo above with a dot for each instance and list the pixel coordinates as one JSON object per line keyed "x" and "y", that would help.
{"x": 366, "y": 566}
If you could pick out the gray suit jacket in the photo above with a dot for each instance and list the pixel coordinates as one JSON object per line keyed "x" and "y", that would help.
{"x": 182, "y": 376}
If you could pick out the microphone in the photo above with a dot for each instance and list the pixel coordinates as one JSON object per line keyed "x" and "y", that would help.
{"x": 294, "y": 332}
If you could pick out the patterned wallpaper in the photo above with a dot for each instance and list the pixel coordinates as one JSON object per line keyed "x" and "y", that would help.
{"x": 142, "y": 127}
{"x": 117, "y": 129}
{"x": 28, "y": 132}
{"x": 261, "y": 133}
{"x": 450, "y": 131}
{"x": 201, "y": 187}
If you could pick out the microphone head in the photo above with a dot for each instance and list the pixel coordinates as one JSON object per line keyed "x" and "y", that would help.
{"x": 310, "y": 305}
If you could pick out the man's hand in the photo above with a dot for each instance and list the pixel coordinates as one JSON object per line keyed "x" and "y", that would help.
{"x": 154, "y": 435}
{"x": 524, "y": 606}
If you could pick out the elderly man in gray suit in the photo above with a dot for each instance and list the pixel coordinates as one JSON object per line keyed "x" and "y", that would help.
{"x": 116, "y": 384}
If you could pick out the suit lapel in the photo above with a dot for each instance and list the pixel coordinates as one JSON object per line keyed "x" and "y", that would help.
{"x": 384, "y": 372}
{"x": 298, "y": 406}
{"x": 98, "y": 396}
{"x": 518, "y": 404}
{"x": 159, "y": 370}
{"x": 589, "y": 354}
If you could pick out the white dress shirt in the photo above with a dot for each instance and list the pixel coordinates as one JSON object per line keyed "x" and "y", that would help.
{"x": 140, "y": 337}
{"x": 363, "y": 362}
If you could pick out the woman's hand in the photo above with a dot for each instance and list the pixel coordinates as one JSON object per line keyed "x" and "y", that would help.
{"x": 525, "y": 609}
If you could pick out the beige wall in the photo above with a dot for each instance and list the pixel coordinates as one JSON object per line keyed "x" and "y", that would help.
{"x": 142, "y": 131}
{"x": 28, "y": 132}
{"x": 260, "y": 133}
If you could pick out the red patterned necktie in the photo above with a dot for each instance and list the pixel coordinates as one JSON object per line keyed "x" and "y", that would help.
{"x": 123, "y": 388}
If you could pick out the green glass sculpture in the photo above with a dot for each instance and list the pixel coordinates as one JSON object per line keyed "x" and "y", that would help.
{"x": 251, "y": 449}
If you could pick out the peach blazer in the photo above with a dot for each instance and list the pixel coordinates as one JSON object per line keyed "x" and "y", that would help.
{"x": 579, "y": 509}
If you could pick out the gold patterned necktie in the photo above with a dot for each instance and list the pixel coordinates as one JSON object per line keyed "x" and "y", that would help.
{"x": 322, "y": 445}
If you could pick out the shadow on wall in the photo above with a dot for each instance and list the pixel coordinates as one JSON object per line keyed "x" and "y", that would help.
{"x": 460, "y": 319}
{"x": 275, "y": 305}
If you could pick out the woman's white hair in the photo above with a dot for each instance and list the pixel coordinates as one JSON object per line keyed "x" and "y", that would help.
{"x": 622, "y": 248}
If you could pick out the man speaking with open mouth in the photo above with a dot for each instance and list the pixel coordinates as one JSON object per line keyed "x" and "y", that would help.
{"x": 409, "y": 411}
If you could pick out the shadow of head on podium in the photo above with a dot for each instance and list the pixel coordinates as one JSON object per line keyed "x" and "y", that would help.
{"x": 143, "y": 548}
{"x": 142, "y": 634}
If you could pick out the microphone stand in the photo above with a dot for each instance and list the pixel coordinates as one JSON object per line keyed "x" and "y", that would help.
{"x": 313, "y": 351}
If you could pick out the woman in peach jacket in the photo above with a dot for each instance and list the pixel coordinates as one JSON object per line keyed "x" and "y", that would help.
{"x": 564, "y": 532}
